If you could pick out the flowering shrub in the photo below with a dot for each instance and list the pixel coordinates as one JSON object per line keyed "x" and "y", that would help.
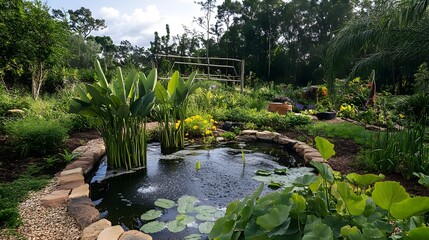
{"x": 198, "y": 126}
{"x": 347, "y": 110}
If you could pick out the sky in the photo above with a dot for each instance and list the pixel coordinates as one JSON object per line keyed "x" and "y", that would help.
{"x": 137, "y": 20}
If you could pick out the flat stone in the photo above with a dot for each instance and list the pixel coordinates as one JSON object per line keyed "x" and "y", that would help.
{"x": 83, "y": 211}
{"x": 71, "y": 178}
{"x": 78, "y": 170}
{"x": 70, "y": 185}
{"x": 80, "y": 149}
{"x": 92, "y": 231}
{"x": 56, "y": 198}
{"x": 220, "y": 139}
{"x": 111, "y": 233}
{"x": 247, "y": 138}
{"x": 318, "y": 159}
{"x": 266, "y": 135}
{"x": 85, "y": 165}
{"x": 310, "y": 156}
{"x": 135, "y": 235}
{"x": 249, "y": 132}
{"x": 81, "y": 191}
{"x": 285, "y": 140}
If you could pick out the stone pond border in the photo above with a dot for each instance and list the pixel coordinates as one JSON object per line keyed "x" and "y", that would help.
{"x": 73, "y": 192}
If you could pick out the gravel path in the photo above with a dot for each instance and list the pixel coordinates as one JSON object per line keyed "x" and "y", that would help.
{"x": 40, "y": 222}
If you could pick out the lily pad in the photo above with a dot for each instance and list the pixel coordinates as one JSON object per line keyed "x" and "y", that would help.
{"x": 151, "y": 215}
{"x": 205, "y": 208}
{"x": 185, "y": 219}
{"x": 205, "y": 216}
{"x": 186, "y": 199}
{"x": 164, "y": 203}
{"x": 275, "y": 185}
{"x": 186, "y": 207}
{"x": 281, "y": 171}
{"x": 194, "y": 236}
{"x": 176, "y": 226}
{"x": 153, "y": 227}
{"x": 262, "y": 172}
{"x": 205, "y": 227}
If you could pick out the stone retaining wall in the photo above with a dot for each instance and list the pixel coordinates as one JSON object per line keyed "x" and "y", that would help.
{"x": 73, "y": 192}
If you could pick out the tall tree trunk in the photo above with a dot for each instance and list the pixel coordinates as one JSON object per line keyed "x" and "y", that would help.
{"x": 38, "y": 74}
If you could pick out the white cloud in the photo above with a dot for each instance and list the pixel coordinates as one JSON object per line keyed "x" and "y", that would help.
{"x": 109, "y": 12}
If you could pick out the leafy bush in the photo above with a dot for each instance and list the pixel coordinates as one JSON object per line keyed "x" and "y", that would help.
{"x": 261, "y": 118}
{"x": 35, "y": 135}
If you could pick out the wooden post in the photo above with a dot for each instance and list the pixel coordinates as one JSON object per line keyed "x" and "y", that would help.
{"x": 242, "y": 76}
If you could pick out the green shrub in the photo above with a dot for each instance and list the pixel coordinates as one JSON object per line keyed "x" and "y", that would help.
{"x": 34, "y": 135}
{"x": 199, "y": 126}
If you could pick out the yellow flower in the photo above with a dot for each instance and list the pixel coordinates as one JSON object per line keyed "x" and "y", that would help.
{"x": 177, "y": 125}
{"x": 214, "y": 128}
{"x": 188, "y": 120}
{"x": 205, "y": 122}
{"x": 208, "y": 132}
{"x": 195, "y": 127}
{"x": 401, "y": 115}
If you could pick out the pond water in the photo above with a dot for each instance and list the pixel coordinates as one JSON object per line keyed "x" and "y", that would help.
{"x": 226, "y": 173}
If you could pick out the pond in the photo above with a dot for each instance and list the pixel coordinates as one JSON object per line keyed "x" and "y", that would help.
{"x": 226, "y": 173}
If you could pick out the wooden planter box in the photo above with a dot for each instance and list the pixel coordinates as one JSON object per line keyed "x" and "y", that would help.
{"x": 280, "y": 108}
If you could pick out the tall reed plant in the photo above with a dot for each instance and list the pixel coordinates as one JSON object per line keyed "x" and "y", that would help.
{"x": 170, "y": 111}
{"x": 404, "y": 151}
{"x": 121, "y": 108}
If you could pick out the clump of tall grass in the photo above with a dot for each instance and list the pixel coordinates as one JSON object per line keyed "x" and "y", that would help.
{"x": 405, "y": 151}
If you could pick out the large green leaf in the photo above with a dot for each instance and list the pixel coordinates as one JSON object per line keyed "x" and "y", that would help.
{"x": 420, "y": 233}
{"x": 151, "y": 80}
{"x": 324, "y": 170}
{"x": 364, "y": 180}
{"x": 423, "y": 179}
{"x": 387, "y": 193}
{"x": 222, "y": 229}
{"x": 299, "y": 204}
{"x": 151, "y": 215}
{"x": 101, "y": 78}
{"x": 276, "y": 216}
{"x": 173, "y": 83}
{"x": 319, "y": 231}
{"x": 410, "y": 207}
{"x": 304, "y": 181}
{"x": 325, "y": 148}
{"x": 161, "y": 94}
{"x": 355, "y": 204}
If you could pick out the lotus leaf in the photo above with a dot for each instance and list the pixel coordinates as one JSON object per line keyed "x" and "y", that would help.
{"x": 325, "y": 148}
{"x": 194, "y": 236}
{"x": 262, "y": 172}
{"x": 410, "y": 207}
{"x": 387, "y": 193}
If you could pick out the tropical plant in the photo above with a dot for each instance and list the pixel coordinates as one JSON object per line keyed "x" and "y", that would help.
{"x": 171, "y": 107}
{"x": 121, "y": 108}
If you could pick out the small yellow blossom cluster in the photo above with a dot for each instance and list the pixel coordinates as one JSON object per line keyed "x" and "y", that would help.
{"x": 198, "y": 126}
{"x": 347, "y": 110}
{"x": 323, "y": 91}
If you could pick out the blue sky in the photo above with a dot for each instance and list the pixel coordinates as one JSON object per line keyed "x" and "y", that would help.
{"x": 134, "y": 20}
